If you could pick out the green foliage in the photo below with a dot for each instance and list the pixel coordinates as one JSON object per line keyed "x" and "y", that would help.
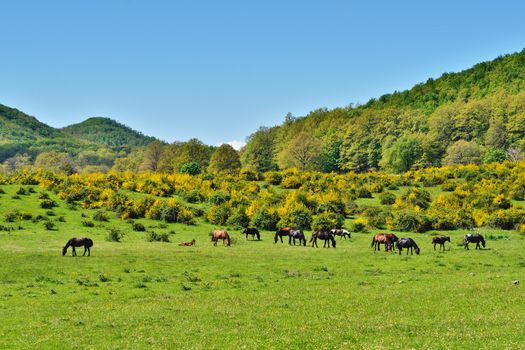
{"x": 224, "y": 159}
{"x": 47, "y": 204}
{"x": 264, "y": 219}
{"x": 49, "y": 225}
{"x": 494, "y": 155}
{"x": 137, "y": 226}
{"x": 409, "y": 220}
{"x": 387, "y": 198}
{"x": 157, "y": 237}
{"x": 239, "y": 219}
{"x": 191, "y": 168}
{"x": 114, "y": 235}
{"x": 218, "y": 214}
{"x": 100, "y": 216}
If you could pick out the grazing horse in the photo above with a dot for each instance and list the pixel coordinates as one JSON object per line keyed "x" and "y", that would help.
{"x": 220, "y": 234}
{"x": 282, "y": 232}
{"x": 187, "y": 244}
{"x": 340, "y": 232}
{"x": 407, "y": 243}
{"x": 388, "y": 239}
{"x": 474, "y": 238}
{"x": 78, "y": 242}
{"x": 441, "y": 241}
{"x": 253, "y": 232}
{"x": 297, "y": 234}
{"x": 326, "y": 236}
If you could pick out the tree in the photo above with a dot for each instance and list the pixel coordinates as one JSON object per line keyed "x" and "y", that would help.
{"x": 16, "y": 163}
{"x": 403, "y": 154}
{"x": 224, "y": 158}
{"x": 152, "y": 156}
{"x": 192, "y": 168}
{"x": 496, "y": 134}
{"x": 258, "y": 154}
{"x": 55, "y": 161}
{"x": 463, "y": 152}
{"x": 514, "y": 154}
{"x": 303, "y": 153}
{"x": 494, "y": 155}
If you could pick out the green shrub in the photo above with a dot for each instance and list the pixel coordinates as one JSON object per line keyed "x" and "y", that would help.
{"x": 359, "y": 225}
{"x": 191, "y": 168}
{"x": 100, "y": 216}
{"x": 21, "y": 191}
{"x": 219, "y": 197}
{"x": 157, "y": 237}
{"x": 265, "y": 220}
{"x": 43, "y": 195}
{"x": 327, "y": 221}
{"x": 218, "y": 214}
{"x": 299, "y": 218}
{"x": 375, "y": 216}
{"x": 273, "y": 178}
{"x": 410, "y": 220}
{"x": 239, "y": 219}
{"x": 137, "y": 226}
{"x": 49, "y": 225}
{"x": 114, "y": 235}
{"x": 387, "y": 198}
{"x": 87, "y": 223}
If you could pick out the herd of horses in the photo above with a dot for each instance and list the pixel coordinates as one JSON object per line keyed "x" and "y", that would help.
{"x": 389, "y": 240}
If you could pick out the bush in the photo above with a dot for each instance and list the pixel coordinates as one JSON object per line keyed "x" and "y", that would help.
{"x": 387, "y": 198}
{"x": 502, "y": 220}
{"x": 191, "y": 168}
{"x": 114, "y": 235}
{"x": 87, "y": 223}
{"x": 43, "y": 195}
{"x": 50, "y": 226}
{"x": 219, "y": 197}
{"x": 266, "y": 220}
{"x": 375, "y": 216}
{"x": 417, "y": 197}
{"x": 362, "y": 192}
{"x": 299, "y": 218}
{"x": 100, "y": 216}
{"x": 47, "y": 204}
{"x": 327, "y": 221}
{"x": 409, "y": 220}
{"x": 2, "y": 191}
{"x": 359, "y": 225}
{"x": 273, "y": 178}
{"x": 218, "y": 214}
{"x": 157, "y": 237}
{"x": 21, "y": 191}
{"x": 193, "y": 196}
{"x": 239, "y": 219}
{"x": 137, "y": 226}
{"x": 449, "y": 186}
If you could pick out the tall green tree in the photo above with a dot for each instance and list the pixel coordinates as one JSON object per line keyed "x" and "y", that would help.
{"x": 404, "y": 153}
{"x": 224, "y": 158}
{"x": 258, "y": 154}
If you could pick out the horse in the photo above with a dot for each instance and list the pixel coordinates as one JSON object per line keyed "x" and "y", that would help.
{"x": 187, "y": 244}
{"x": 220, "y": 234}
{"x": 297, "y": 234}
{"x": 474, "y": 238}
{"x": 282, "y": 232}
{"x": 407, "y": 243}
{"x": 388, "y": 239}
{"x": 326, "y": 236}
{"x": 78, "y": 242}
{"x": 253, "y": 232}
{"x": 340, "y": 232}
{"x": 441, "y": 241}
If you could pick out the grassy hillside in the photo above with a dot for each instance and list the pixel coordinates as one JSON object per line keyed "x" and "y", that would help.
{"x": 254, "y": 294}
{"x": 16, "y": 126}
{"x": 107, "y": 132}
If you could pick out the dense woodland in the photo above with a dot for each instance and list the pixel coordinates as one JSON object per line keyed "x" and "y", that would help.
{"x": 472, "y": 117}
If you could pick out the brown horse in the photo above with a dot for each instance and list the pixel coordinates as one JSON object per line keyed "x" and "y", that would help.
{"x": 441, "y": 241}
{"x": 78, "y": 242}
{"x": 220, "y": 234}
{"x": 388, "y": 239}
{"x": 282, "y": 232}
{"x": 187, "y": 244}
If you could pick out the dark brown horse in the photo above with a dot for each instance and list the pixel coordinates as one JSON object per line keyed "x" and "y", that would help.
{"x": 220, "y": 234}
{"x": 474, "y": 238}
{"x": 253, "y": 232}
{"x": 408, "y": 244}
{"x": 326, "y": 236}
{"x": 340, "y": 232}
{"x": 187, "y": 244}
{"x": 282, "y": 232}
{"x": 388, "y": 239}
{"x": 78, "y": 242}
{"x": 441, "y": 241}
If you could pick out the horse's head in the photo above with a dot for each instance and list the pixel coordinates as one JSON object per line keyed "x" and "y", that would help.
{"x": 483, "y": 243}
{"x": 417, "y": 251}
{"x": 447, "y": 238}
{"x": 64, "y": 251}
{"x": 245, "y": 231}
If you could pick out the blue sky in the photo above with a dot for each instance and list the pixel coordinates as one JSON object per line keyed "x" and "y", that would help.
{"x": 217, "y": 70}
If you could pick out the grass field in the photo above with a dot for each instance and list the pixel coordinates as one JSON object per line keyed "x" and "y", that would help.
{"x": 138, "y": 294}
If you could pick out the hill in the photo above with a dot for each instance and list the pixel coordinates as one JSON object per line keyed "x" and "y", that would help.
{"x": 107, "y": 132}
{"x": 468, "y": 117}
{"x": 16, "y": 126}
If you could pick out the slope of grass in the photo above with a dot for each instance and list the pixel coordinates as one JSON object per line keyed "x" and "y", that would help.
{"x": 137, "y": 294}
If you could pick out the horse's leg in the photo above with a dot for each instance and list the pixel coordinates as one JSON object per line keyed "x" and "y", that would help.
{"x": 85, "y": 249}
{"x": 74, "y": 251}
{"x": 89, "y": 251}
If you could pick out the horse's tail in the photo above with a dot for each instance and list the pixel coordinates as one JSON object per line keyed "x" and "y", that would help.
{"x": 228, "y": 240}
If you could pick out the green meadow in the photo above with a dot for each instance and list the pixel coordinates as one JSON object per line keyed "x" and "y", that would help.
{"x": 136, "y": 294}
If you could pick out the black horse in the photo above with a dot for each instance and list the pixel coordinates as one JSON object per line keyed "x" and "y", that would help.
{"x": 297, "y": 234}
{"x": 78, "y": 242}
{"x": 253, "y": 232}
{"x": 407, "y": 243}
{"x": 474, "y": 238}
{"x": 280, "y": 233}
{"x": 326, "y": 236}
{"x": 441, "y": 241}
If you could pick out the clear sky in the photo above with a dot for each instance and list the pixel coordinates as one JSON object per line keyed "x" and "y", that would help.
{"x": 217, "y": 70}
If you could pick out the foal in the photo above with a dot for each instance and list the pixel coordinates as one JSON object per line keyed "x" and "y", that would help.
{"x": 441, "y": 241}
